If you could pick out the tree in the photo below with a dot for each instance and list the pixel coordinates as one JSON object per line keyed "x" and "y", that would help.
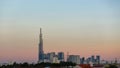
{"x": 112, "y": 66}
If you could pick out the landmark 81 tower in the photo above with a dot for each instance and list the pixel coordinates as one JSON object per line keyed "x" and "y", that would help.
{"x": 41, "y": 52}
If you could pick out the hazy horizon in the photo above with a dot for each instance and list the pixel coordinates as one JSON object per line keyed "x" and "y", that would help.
{"x": 83, "y": 27}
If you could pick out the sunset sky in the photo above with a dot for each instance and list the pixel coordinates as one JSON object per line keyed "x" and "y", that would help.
{"x": 82, "y": 27}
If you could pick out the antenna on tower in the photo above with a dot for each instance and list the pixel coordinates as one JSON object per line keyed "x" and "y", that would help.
{"x": 40, "y": 30}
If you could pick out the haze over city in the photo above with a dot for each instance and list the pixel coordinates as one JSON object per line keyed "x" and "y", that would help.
{"x": 83, "y": 27}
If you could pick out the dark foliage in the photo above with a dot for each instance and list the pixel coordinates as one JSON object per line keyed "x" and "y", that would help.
{"x": 112, "y": 66}
{"x": 38, "y": 65}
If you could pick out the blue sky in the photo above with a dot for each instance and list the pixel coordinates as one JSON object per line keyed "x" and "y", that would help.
{"x": 60, "y": 13}
{"x": 37, "y": 9}
{"x": 62, "y": 9}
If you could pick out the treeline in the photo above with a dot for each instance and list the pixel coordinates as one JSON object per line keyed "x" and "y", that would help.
{"x": 112, "y": 66}
{"x": 39, "y": 65}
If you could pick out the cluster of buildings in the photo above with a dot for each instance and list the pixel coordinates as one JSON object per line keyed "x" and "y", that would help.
{"x": 78, "y": 60}
{"x": 60, "y": 57}
{"x": 52, "y": 57}
{"x": 48, "y": 57}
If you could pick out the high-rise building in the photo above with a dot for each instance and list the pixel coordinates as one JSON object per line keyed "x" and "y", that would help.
{"x": 82, "y": 60}
{"x": 55, "y": 59}
{"x": 93, "y": 58}
{"x": 52, "y": 55}
{"x": 98, "y": 59}
{"x": 61, "y": 56}
{"x": 88, "y": 60}
{"x": 74, "y": 59}
{"x": 46, "y": 57}
{"x": 41, "y": 52}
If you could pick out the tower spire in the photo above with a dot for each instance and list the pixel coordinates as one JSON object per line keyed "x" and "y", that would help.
{"x": 40, "y": 30}
{"x": 40, "y": 38}
{"x": 41, "y": 52}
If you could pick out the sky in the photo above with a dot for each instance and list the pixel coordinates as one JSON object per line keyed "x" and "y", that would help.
{"x": 82, "y": 27}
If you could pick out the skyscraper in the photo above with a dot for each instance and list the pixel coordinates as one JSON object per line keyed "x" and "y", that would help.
{"x": 61, "y": 56}
{"x": 98, "y": 59}
{"x": 93, "y": 58}
{"x": 41, "y": 52}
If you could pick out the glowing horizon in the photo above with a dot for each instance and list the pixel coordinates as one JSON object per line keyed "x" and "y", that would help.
{"x": 80, "y": 27}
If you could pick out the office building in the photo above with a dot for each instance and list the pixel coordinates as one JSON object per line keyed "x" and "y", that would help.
{"x": 93, "y": 59}
{"x": 74, "y": 59}
{"x": 51, "y": 56}
{"x": 61, "y": 56}
{"x": 98, "y": 59}
{"x": 55, "y": 59}
{"x": 82, "y": 60}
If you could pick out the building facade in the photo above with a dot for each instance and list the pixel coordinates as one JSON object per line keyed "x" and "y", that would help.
{"x": 41, "y": 52}
{"x": 61, "y": 56}
{"x": 74, "y": 59}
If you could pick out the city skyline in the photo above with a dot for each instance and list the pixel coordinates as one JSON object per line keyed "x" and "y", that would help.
{"x": 79, "y": 27}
